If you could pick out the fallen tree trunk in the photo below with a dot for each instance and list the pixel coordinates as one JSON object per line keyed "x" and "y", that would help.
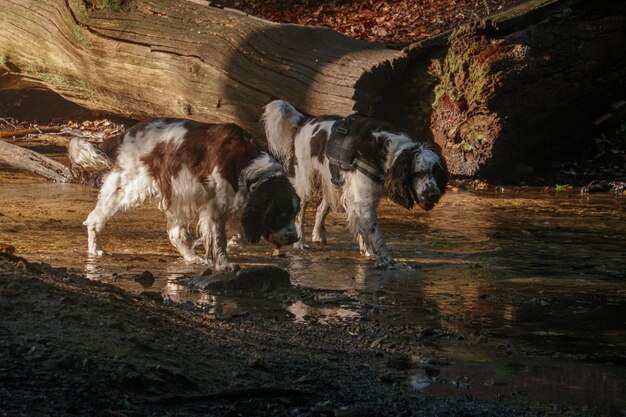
{"x": 177, "y": 58}
{"x": 512, "y": 90}
{"x": 24, "y": 159}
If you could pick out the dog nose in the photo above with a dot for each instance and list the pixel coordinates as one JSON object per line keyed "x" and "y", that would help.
{"x": 433, "y": 195}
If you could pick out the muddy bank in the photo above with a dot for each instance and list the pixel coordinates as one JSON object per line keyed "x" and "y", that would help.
{"x": 72, "y": 346}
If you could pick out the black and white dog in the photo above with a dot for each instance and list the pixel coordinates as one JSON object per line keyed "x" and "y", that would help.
{"x": 386, "y": 162}
{"x": 210, "y": 174}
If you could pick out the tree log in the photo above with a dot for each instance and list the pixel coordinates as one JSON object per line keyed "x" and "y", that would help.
{"x": 177, "y": 58}
{"x": 513, "y": 89}
{"x": 27, "y": 160}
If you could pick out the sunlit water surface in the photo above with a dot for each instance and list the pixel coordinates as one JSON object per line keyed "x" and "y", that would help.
{"x": 540, "y": 272}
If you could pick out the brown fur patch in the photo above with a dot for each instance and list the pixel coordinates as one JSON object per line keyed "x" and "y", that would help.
{"x": 398, "y": 180}
{"x": 371, "y": 148}
{"x": 205, "y": 147}
{"x": 318, "y": 144}
{"x": 111, "y": 146}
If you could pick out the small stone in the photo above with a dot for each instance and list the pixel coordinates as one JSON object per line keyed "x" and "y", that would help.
{"x": 257, "y": 363}
{"x": 21, "y": 265}
{"x": 152, "y": 295}
{"x": 254, "y": 278}
{"x": 376, "y": 343}
{"x": 145, "y": 279}
{"x": 305, "y": 379}
{"x": 400, "y": 363}
{"x": 323, "y": 407}
{"x": 427, "y": 332}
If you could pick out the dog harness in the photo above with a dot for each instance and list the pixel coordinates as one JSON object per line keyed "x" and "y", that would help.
{"x": 343, "y": 157}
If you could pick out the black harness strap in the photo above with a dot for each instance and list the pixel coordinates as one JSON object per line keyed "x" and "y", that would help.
{"x": 342, "y": 156}
{"x": 372, "y": 172}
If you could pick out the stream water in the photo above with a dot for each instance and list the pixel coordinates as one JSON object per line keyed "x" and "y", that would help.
{"x": 530, "y": 284}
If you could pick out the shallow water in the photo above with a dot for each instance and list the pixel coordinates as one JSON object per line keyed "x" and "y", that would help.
{"x": 522, "y": 273}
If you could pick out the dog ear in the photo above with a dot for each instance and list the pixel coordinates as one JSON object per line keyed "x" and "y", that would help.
{"x": 252, "y": 218}
{"x": 398, "y": 181}
{"x": 440, "y": 172}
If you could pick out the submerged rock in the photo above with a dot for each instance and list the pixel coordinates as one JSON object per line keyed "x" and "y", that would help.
{"x": 145, "y": 279}
{"x": 254, "y": 278}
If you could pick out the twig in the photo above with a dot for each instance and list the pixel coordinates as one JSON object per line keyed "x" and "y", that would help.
{"x": 24, "y": 132}
{"x": 7, "y": 122}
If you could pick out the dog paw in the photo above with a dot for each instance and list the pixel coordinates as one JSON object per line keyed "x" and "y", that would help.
{"x": 234, "y": 242}
{"x": 98, "y": 252}
{"x": 228, "y": 267}
{"x": 385, "y": 264}
{"x": 301, "y": 246}
{"x": 196, "y": 260}
{"x": 319, "y": 238}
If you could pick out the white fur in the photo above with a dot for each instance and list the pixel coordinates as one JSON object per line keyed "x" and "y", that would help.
{"x": 279, "y": 120}
{"x": 288, "y": 133}
{"x": 211, "y": 204}
{"x": 87, "y": 155}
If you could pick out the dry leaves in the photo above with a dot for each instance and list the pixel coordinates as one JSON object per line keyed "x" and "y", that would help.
{"x": 395, "y": 23}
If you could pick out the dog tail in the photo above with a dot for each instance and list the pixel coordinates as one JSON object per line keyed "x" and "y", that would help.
{"x": 280, "y": 120}
{"x": 87, "y": 161}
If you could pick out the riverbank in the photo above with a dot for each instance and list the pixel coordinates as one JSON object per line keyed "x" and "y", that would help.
{"x": 72, "y": 346}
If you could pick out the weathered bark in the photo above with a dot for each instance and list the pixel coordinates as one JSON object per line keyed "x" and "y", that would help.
{"x": 177, "y": 58}
{"x": 511, "y": 91}
{"x": 27, "y": 160}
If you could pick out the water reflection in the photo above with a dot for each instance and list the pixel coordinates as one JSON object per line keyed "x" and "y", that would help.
{"x": 303, "y": 312}
{"x": 496, "y": 261}
{"x": 92, "y": 269}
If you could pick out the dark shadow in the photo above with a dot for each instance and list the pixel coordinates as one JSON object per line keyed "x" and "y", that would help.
{"x": 285, "y": 61}
{"x": 574, "y": 71}
{"x": 45, "y": 106}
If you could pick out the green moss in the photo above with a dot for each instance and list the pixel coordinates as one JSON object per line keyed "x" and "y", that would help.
{"x": 80, "y": 10}
{"x": 77, "y": 33}
{"x": 439, "y": 91}
{"x": 113, "y": 5}
{"x": 472, "y": 70}
{"x": 61, "y": 82}
{"x": 473, "y": 140}
{"x": 467, "y": 147}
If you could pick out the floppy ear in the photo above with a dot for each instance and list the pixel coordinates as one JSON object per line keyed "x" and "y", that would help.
{"x": 398, "y": 180}
{"x": 440, "y": 172}
{"x": 252, "y": 218}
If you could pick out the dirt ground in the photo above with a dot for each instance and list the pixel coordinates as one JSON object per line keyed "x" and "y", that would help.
{"x": 71, "y": 346}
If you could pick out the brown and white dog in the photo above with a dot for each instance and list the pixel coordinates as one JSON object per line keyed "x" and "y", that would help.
{"x": 409, "y": 172}
{"x": 212, "y": 174}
